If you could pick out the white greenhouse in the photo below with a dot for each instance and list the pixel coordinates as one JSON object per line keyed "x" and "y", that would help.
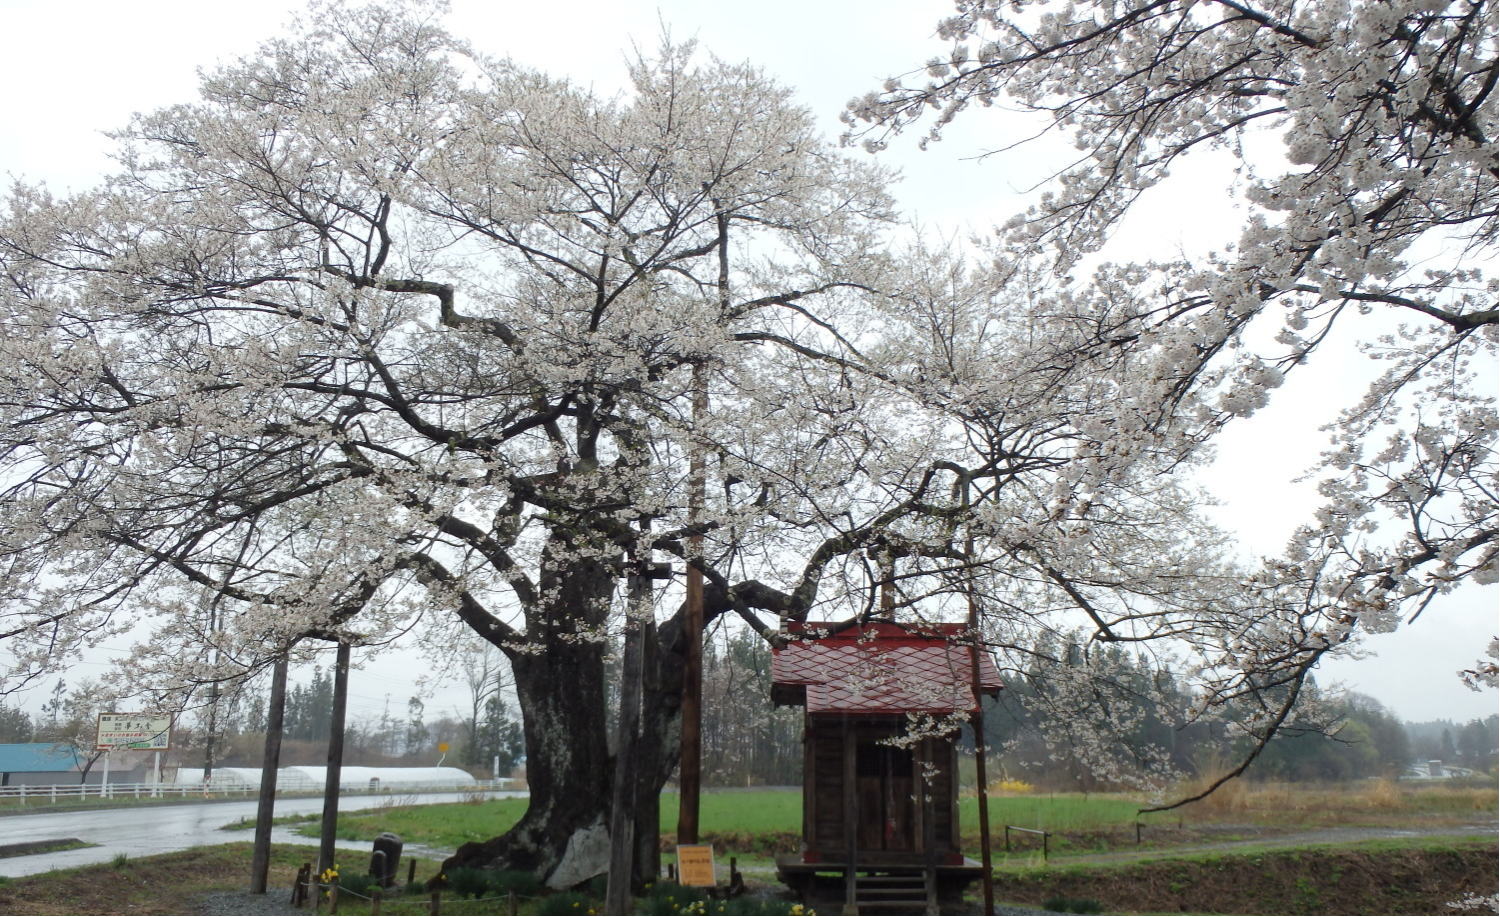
{"x": 374, "y": 778}
{"x": 307, "y": 778}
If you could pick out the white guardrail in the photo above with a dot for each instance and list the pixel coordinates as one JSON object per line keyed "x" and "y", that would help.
{"x": 64, "y": 792}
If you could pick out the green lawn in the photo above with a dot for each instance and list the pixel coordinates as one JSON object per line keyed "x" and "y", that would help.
{"x": 736, "y": 815}
{"x": 763, "y": 822}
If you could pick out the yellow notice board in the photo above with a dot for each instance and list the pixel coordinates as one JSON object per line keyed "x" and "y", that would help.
{"x": 695, "y": 864}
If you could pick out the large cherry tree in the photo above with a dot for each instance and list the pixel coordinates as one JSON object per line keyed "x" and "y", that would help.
{"x": 382, "y": 334}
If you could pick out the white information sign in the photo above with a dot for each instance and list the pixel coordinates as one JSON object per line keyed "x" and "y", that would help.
{"x": 146, "y": 731}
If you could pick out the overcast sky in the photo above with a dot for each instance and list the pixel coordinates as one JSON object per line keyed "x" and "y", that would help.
{"x": 75, "y": 68}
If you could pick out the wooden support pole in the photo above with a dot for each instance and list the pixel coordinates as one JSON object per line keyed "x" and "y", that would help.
{"x": 690, "y": 758}
{"x": 976, "y": 723}
{"x": 851, "y": 818}
{"x": 648, "y": 862}
{"x": 690, "y": 761}
{"x": 622, "y": 803}
{"x": 929, "y": 823}
{"x": 265, "y": 810}
{"x": 329, "y": 833}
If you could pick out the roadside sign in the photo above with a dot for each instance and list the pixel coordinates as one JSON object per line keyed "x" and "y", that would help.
{"x": 443, "y": 747}
{"x": 695, "y": 864}
{"x": 142, "y": 731}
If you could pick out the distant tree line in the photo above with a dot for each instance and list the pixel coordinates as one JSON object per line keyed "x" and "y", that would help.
{"x": 1339, "y": 736}
{"x": 1472, "y": 744}
{"x": 749, "y": 742}
{"x": 746, "y": 740}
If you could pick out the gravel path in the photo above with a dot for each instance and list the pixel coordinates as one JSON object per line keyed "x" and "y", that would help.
{"x": 276, "y": 901}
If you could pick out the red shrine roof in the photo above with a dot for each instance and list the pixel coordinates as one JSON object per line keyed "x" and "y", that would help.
{"x": 878, "y": 668}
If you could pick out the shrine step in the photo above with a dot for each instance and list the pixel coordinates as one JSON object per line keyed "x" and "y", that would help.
{"x": 897, "y": 894}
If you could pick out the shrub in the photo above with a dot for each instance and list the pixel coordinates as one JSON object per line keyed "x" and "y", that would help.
{"x": 464, "y": 882}
{"x": 523, "y": 883}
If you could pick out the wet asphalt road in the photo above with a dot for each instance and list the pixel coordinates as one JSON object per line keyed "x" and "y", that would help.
{"x": 138, "y": 831}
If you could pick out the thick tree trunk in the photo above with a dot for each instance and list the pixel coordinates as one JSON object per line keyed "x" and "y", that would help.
{"x": 563, "y": 837}
{"x": 559, "y": 676}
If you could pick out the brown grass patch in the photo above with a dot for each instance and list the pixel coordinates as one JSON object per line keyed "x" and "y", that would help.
{"x": 1366, "y": 802}
{"x": 171, "y": 883}
{"x": 1303, "y": 881}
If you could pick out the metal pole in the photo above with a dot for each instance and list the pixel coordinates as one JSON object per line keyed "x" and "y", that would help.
{"x": 335, "y": 759}
{"x": 265, "y": 810}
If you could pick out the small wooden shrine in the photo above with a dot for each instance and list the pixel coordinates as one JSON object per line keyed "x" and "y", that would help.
{"x": 879, "y": 806}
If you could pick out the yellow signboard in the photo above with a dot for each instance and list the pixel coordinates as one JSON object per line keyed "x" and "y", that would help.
{"x": 695, "y": 864}
{"x": 443, "y": 747}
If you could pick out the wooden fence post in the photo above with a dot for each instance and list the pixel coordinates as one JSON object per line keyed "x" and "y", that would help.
{"x": 299, "y": 885}
{"x": 375, "y": 897}
{"x": 436, "y": 905}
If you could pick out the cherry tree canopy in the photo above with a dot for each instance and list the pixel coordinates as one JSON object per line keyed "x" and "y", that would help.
{"x": 382, "y": 333}
{"x": 1362, "y": 135}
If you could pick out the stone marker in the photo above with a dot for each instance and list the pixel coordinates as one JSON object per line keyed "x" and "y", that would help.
{"x": 385, "y": 858}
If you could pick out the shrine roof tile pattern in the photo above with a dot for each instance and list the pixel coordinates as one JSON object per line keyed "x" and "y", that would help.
{"x": 879, "y": 669}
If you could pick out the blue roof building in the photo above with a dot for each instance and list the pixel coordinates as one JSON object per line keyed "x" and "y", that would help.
{"x": 34, "y": 763}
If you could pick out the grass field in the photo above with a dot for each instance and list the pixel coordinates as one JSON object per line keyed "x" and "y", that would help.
{"x": 762, "y": 823}
{"x": 769, "y": 813}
